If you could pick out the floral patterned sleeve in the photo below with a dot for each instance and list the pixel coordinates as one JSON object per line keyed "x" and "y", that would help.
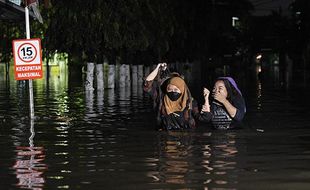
{"x": 151, "y": 87}
{"x": 147, "y": 85}
{"x": 195, "y": 109}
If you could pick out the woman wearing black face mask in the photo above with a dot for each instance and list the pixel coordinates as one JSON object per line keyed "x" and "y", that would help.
{"x": 175, "y": 107}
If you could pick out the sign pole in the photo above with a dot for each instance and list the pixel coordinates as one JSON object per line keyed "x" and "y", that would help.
{"x": 30, "y": 80}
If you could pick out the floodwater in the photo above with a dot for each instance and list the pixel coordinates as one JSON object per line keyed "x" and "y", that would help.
{"x": 106, "y": 140}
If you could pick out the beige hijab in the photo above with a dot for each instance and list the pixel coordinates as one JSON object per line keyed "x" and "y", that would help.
{"x": 180, "y": 104}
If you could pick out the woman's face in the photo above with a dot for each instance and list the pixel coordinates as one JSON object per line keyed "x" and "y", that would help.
{"x": 219, "y": 88}
{"x": 173, "y": 88}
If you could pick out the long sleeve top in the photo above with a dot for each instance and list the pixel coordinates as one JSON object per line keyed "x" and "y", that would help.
{"x": 219, "y": 116}
{"x": 174, "y": 121}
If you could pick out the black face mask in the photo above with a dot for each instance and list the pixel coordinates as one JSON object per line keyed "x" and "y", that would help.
{"x": 173, "y": 96}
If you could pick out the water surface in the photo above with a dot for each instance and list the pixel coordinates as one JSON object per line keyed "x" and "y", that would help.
{"x": 106, "y": 140}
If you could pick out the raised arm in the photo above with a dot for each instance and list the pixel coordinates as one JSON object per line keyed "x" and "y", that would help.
{"x": 154, "y": 73}
{"x": 206, "y": 106}
{"x": 205, "y": 114}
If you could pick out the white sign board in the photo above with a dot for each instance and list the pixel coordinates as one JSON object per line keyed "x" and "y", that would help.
{"x": 27, "y": 59}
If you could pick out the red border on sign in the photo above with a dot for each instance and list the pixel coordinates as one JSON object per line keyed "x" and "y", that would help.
{"x": 35, "y": 55}
{"x": 38, "y": 73}
{"x": 23, "y": 74}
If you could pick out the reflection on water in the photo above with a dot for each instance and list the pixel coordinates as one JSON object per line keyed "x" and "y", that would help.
{"x": 124, "y": 99}
{"x": 29, "y": 166}
{"x": 189, "y": 159}
{"x": 100, "y": 98}
{"x": 106, "y": 140}
{"x": 224, "y": 167}
{"x": 174, "y": 153}
{"x": 89, "y": 101}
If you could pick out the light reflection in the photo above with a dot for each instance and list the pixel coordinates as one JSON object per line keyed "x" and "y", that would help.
{"x": 179, "y": 158}
{"x": 259, "y": 95}
{"x": 62, "y": 104}
{"x": 140, "y": 80}
{"x": 66, "y": 171}
{"x": 61, "y": 153}
{"x": 135, "y": 81}
{"x": 124, "y": 99}
{"x": 63, "y": 187}
{"x": 100, "y": 98}
{"x": 29, "y": 164}
{"x": 61, "y": 143}
{"x": 174, "y": 154}
{"x": 221, "y": 182}
{"x": 55, "y": 177}
{"x": 276, "y": 74}
{"x": 221, "y": 161}
{"x": 259, "y": 85}
{"x": 63, "y": 135}
{"x": 111, "y": 99}
{"x": 89, "y": 99}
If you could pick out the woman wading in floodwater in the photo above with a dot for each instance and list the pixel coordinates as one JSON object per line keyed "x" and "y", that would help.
{"x": 175, "y": 107}
{"x": 227, "y": 107}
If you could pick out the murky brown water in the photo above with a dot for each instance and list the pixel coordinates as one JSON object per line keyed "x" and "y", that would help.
{"x": 106, "y": 140}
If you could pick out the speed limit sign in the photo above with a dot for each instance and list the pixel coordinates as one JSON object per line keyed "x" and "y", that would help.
{"x": 27, "y": 59}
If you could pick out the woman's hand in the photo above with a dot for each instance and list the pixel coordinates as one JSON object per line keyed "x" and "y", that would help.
{"x": 163, "y": 66}
{"x": 219, "y": 97}
{"x": 154, "y": 73}
{"x": 231, "y": 109}
{"x": 206, "y": 93}
{"x": 206, "y": 106}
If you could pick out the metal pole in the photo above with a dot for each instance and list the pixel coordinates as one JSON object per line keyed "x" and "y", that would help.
{"x": 30, "y": 81}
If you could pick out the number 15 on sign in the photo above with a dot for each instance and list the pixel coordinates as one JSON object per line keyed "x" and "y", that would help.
{"x": 27, "y": 59}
